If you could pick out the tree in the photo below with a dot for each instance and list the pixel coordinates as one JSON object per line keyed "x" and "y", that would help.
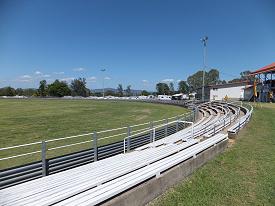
{"x": 11, "y": 91}
{"x": 195, "y": 80}
{"x": 145, "y": 93}
{"x": 234, "y": 80}
{"x": 120, "y": 90}
{"x": 19, "y": 91}
{"x": 244, "y": 76}
{"x": 109, "y": 93}
{"x": 183, "y": 87}
{"x": 128, "y": 90}
{"x": 59, "y": 89}
{"x": 171, "y": 88}
{"x": 99, "y": 94}
{"x": 212, "y": 77}
{"x": 29, "y": 92}
{"x": 42, "y": 90}
{"x": 7, "y": 91}
{"x": 78, "y": 87}
{"x": 162, "y": 88}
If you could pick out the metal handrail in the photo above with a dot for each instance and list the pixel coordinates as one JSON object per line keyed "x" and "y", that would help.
{"x": 68, "y": 145}
{"x": 70, "y": 137}
{"x": 81, "y": 135}
{"x": 108, "y": 137}
{"x": 22, "y": 145}
{"x": 20, "y": 155}
{"x": 154, "y": 131}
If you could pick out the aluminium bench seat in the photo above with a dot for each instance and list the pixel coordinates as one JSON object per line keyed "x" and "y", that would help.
{"x": 184, "y": 135}
{"x": 106, "y": 191}
{"x": 57, "y": 186}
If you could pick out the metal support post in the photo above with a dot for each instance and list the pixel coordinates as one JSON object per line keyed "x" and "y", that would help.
{"x": 151, "y": 131}
{"x": 214, "y": 129}
{"x": 239, "y": 127}
{"x": 129, "y": 139}
{"x": 45, "y": 170}
{"x": 166, "y": 127}
{"x": 192, "y": 129}
{"x": 177, "y": 124}
{"x": 95, "y": 146}
{"x": 154, "y": 135}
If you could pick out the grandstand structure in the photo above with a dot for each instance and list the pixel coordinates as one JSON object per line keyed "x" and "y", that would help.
{"x": 264, "y": 87}
{"x": 137, "y": 175}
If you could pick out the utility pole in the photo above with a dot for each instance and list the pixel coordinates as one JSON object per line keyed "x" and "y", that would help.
{"x": 204, "y": 41}
{"x": 103, "y": 70}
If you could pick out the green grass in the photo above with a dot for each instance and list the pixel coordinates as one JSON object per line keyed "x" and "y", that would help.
{"x": 243, "y": 175}
{"x": 31, "y": 120}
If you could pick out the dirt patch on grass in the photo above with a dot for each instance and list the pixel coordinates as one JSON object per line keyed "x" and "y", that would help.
{"x": 141, "y": 117}
{"x": 231, "y": 142}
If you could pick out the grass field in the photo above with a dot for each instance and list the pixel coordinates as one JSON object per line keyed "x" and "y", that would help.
{"x": 25, "y": 121}
{"x": 243, "y": 175}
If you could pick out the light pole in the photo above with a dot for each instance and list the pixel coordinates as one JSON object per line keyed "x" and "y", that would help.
{"x": 204, "y": 41}
{"x": 103, "y": 70}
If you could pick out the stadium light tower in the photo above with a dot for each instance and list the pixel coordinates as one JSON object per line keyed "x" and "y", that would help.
{"x": 204, "y": 41}
{"x": 103, "y": 70}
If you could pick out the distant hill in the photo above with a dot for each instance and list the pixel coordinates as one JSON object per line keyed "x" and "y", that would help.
{"x": 134, "y": 91}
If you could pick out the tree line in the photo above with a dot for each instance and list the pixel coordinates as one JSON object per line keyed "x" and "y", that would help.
{"x": 78, "y": 87}
{"x": 194, "y": 82}
{"x": 58, "y": 88}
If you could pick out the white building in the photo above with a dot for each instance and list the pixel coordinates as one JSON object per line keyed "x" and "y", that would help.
{"x": 231, "y": 90}
{"x": 164, "y": 97}
{"x": 179, "y": 96}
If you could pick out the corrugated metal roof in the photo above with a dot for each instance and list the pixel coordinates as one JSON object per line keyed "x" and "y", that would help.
{"x": 268, "y": 68}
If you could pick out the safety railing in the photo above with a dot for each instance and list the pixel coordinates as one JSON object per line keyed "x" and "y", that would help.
{"x": 57, "y": 144}
{"x": 153, "y": 130}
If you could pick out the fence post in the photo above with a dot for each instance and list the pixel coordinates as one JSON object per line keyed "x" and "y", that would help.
{"x": 151, "y": 131}
{"x": 95, "y": 146}
{"x": 239, "y": 127}
{"x": 177, "y": 124}
{"x": 166, "y": 127}
{"x": 128, "y": 139}
{"x": 154, "y": 136}
{"x": 45, "y": 170}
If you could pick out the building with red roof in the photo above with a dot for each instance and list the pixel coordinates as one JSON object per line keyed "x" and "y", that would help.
{"x": 265, "y": 88}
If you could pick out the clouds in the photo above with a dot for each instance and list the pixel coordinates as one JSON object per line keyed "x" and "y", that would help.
{"x": 80, "y": 69}
{"x": 167, "y": 80}
{"x": 91, "y": 79}
{"x": 145, "y": 82}
{"x": 38, "y": 75}
{"x": 67, "y": 79}
{"x": 107, "y": 78}
{"x": 25, "y": 76}
{"x": 58, "y": 73}
{"x": 45, "y": 75}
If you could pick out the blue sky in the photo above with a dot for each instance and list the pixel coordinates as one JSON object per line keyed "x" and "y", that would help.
{"x": 138, "y": 42}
